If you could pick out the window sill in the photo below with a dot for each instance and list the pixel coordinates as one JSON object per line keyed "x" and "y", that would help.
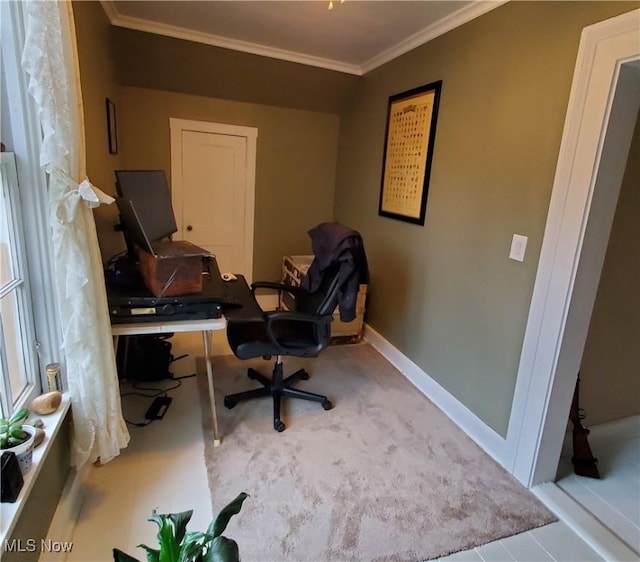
{"x": 9, "y": 512}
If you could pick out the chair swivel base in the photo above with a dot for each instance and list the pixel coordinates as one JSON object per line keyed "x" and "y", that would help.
{"x": 277, "y": 387}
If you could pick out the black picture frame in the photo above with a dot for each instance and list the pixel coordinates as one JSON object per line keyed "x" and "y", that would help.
{"x": 112, "y": 127}
{"x": 408, "y": 153}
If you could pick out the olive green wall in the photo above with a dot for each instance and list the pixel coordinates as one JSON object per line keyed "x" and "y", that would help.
{"x": 295, "y": 162}
{"x": 446, "y": 294}
{"x": 610, "y": 370}
{"x": 163, "y": 63}
{"x": 35, "y": 519}
{"x": 98, "y": 80}
{"x": 295, "y": 108}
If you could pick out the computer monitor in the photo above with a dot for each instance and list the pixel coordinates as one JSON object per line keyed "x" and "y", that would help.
{"x": 148, "y": 190}
{"x": 132, "y": 225}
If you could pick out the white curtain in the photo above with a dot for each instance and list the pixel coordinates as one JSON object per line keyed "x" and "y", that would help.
{"x": 50, "y": 59}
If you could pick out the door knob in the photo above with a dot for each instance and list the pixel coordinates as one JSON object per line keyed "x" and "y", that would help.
{"x": 189, "y": 228}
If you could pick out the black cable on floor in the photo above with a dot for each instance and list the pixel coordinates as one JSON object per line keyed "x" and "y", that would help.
{"x": 156, "y": 391}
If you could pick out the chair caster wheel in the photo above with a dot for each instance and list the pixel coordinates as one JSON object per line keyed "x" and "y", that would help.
{"x": 229, "y": 402}
{"x": 278, "y": 426}
{"x": 327, "y": 405}
{"x": 305, "y": 376}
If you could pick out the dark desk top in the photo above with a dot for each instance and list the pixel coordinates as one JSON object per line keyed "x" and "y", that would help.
{"x": 241, "y": 293}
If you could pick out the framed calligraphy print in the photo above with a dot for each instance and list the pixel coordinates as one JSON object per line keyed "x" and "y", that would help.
{"x": 408, "y": 152}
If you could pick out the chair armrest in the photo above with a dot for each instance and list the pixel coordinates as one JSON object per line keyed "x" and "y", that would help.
{"x": 274, "y": 286}
{"x": 288, "y": 316}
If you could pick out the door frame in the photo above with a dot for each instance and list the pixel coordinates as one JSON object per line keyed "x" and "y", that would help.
{"x": 177, "y": 127}
{"x": 565, "y": 286}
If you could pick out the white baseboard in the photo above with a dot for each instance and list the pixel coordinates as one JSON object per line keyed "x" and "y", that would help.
{"x": 64, "y": 519}
{"x": 608, "y": 545}
{"x": 604, "y": 433}
{"x": 492, "y": 443}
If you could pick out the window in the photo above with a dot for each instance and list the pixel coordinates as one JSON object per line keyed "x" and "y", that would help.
{"x": 29, "y": 330}
{"x": 18, "y": 363}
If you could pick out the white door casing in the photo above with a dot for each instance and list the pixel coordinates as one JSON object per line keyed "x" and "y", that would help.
{"x": 563, "y": 300}
{"x": 213, "y": 189}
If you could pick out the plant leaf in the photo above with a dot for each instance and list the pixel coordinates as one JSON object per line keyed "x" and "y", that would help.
{"x": 119, "y": 556}
{"x": 180, "y": 521}
{"x": 153, "y": 555}
{"x": 193, "y": 545}
{"x": 19, "y": 415}
{"x": 222, "y": 550}
{"x": 219, "y": 524}
{"x": 18, "y": 433}
{"x": 169, "y": 547}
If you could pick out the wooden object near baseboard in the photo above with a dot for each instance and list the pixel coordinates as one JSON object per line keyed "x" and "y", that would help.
{"x": 584, "y": 463}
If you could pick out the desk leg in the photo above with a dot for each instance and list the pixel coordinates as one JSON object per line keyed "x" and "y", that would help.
{"x": 206, "y": 338}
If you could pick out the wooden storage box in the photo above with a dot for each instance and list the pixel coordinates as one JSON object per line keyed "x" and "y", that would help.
{"x": 294, "y": 269}
{"x": 171, "y": 276}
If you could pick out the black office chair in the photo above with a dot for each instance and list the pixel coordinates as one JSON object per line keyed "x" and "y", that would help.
{"x": 302, "y": 332}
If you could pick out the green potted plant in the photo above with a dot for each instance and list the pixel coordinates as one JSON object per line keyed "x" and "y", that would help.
{"x": 17, "y": 437}
{"x": 178, "y": 545}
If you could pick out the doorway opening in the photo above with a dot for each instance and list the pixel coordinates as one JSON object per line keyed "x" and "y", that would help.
{"x": 603, "y": 106}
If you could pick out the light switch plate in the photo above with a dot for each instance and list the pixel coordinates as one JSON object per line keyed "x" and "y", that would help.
{"x": 518, "y": 247}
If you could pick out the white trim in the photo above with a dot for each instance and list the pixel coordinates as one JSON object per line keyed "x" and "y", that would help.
{"x": 209, "y": 127}
{"x": 440, "y": 27}
{"x": 492, "y": 443}
{"x": 66, "y": 515}
{"x": 458, "y": 18}
{"x": 21, "y": 289}
{"x": 551, "y": 352}
{"x": 177, "y": 127}
{"x": 26, "y": 135}
{"x": 110, "y": 10}
{"x": 605, "y": 433}
{"x": 228, "y": 43}
{"x": 608, "y": 545}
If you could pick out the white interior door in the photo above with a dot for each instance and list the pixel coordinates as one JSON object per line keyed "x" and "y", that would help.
{"x": 213, "y": 193}
{"x": 212, "y": 190}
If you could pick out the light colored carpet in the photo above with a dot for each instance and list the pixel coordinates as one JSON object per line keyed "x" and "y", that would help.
{"x": 382, "y": 476}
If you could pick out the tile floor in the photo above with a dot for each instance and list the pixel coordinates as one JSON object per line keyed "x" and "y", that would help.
{"x": 615, "y": 498}
{"x": 120, "y": 495}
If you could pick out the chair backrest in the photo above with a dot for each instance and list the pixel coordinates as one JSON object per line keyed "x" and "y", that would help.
{"x": 325, "y": 300}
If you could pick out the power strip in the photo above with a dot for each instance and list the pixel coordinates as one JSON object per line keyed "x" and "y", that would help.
{"x": 158, "y": 408}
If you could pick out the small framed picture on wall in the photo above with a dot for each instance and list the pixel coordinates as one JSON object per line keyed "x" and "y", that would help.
{"x": 112, "y": 127}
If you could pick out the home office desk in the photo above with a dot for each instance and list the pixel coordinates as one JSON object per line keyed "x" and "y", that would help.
{"x": 245, "y": 306}
{"x": 167, "y": 326}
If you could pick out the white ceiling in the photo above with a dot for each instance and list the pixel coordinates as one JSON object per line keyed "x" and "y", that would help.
{"x": 355, "y": 37}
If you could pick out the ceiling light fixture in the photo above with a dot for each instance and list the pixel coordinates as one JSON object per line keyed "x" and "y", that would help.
{"x": 331, "y": 4}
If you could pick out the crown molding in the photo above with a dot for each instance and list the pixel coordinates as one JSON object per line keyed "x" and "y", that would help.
{"x": 109, "y": 9}
{"x": 225, "y": 42}
{"x": 458, "y": 18}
